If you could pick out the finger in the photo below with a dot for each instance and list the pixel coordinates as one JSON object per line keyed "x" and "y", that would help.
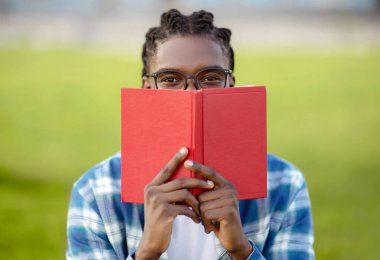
{"x": 186, "y": 183}
{"x": 223, "y": 192}
{"x": 212, "y": 219}
{"x": 206, "y": 172}
{"x": 185, "y": 211}
{"x": 210, "y": 224}
{"x": 183, "y": 196}
{"x": 216, "y": 215}
{"x": 215, "y": 204}
{"x": 170, "y": 167}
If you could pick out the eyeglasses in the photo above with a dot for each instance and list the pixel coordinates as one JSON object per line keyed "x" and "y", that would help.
{"x": 212, "y": 77}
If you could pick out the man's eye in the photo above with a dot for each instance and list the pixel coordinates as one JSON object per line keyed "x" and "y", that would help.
{"x": 170, "y": 80}
{"x": 211, "y": 79}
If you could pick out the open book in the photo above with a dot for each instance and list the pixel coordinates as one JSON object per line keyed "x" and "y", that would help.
{"x": 224, "y": 129}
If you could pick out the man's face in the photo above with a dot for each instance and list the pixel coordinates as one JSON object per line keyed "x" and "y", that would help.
{"x": 188, "y": 55}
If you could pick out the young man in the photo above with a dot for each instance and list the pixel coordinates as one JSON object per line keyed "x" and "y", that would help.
{"x": 189, "y": 52}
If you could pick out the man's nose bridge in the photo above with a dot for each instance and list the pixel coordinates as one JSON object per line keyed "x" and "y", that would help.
{"x": 191, "y": 84}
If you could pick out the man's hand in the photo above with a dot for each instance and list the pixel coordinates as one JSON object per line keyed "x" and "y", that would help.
{"x": 219, "y": 209}
{"x": 160, "y": 207}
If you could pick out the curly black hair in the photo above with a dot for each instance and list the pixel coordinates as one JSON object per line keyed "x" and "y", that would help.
{"x": 173, "y": 23}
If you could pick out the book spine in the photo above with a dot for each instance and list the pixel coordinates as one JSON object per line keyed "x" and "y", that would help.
{"x": 123, "y": 144}
{"x": 197, "y": 140}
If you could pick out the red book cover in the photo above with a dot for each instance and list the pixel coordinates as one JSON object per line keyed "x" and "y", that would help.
{"x": 224, "y": 129}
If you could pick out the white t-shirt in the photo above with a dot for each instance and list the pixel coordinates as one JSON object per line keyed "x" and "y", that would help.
{"x": 189, "y": 241}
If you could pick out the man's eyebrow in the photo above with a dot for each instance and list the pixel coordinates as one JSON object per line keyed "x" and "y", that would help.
{"x": 180, "y": 70}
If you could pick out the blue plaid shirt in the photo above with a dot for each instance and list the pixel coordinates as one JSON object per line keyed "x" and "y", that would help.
{"x": 100, "y": 226}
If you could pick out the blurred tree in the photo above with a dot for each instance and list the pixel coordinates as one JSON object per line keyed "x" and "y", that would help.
{"x": 4, "y": 8}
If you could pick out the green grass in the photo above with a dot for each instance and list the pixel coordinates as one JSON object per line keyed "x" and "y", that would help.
{"x": 59, "y": 115}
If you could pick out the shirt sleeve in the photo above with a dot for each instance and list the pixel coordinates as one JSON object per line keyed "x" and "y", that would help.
{"x": 294, "y": 237}
{"x": 291, "y": 232}
{"x": 86, "y": 233}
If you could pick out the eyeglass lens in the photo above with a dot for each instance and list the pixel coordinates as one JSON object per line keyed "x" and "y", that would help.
{"x": 204, "y": 79}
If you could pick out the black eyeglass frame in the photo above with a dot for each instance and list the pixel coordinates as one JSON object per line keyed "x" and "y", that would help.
{"x": 155, "y": 75}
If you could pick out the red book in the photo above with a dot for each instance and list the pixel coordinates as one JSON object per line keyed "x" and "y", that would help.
{"x": 224, "y": 129}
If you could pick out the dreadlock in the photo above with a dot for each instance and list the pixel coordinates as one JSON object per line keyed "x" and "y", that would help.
{"x": 174, "y": 23}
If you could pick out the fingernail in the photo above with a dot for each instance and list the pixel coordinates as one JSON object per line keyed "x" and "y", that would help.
{"x": 183, "y": 150}
{"x": 210, "y": 183}
{"x": 189, "y": 163}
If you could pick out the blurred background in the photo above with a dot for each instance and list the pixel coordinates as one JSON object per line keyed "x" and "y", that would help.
{"x": 62, "y": 64}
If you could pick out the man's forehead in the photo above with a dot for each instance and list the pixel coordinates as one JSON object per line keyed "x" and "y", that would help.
{"x": 188, "y": 53}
